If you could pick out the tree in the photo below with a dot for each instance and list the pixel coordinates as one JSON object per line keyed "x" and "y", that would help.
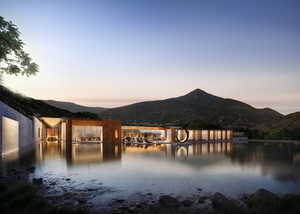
{"x": 13, "y": 59}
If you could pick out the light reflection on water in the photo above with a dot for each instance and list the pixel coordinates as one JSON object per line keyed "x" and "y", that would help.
{"x": 223, "y": 167}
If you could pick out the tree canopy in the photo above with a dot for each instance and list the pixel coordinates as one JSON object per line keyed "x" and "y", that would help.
{"x": 13, "y": 59}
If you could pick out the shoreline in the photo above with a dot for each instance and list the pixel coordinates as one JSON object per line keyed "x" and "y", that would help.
{"x": 33, "y": 191}
{"x": 260, "y": 201}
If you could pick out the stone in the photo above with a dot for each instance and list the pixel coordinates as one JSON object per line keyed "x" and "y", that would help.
{"x": 199, "y": 189}
{"x": 68, "y": 195}
{"x": 82, "y": 200}
{"x": 263, "y": 194}
{"x": 31, "y": 169}
{"x": 220, "y": 202}
{"x": 131, "y": 209}
{"x": 141, "y": 205}
{"x": 120, "y": 200}
{"x": 168, "y": 201}
{"x": 262, "y": 197}
{"x": 187, "y": 203}
{"x": 202, "y": 199}
{"x": 37, "y": 181}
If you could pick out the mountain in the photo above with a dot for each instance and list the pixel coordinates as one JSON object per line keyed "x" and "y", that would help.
{"x": 287, "y": 127}
{"x": 73, "y": 107}
{"x": 32, "y": 107}
{"x": 195, "y": 108}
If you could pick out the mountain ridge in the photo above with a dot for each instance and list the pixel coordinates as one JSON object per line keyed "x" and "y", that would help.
{"x": 32, "y": 107}
{"x": 74, "y": 107}
{"x": 197, "y": 105}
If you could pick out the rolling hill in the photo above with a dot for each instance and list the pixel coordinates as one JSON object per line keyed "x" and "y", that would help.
{"x": 73, "y": 107}
{"x": 33, "y": 107}
{"x": 287, "y": 127}
{"x": 196, "y": 107}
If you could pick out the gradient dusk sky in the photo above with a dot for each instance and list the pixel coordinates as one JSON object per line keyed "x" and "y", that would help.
{"x": 116, "y": 52}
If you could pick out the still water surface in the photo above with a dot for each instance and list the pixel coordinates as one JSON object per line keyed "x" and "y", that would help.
{"x": 165, "y": 169}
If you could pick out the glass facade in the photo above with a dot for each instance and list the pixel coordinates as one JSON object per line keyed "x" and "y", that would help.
{"x": 87, "y": 134}
{"x": 140, "y": 135}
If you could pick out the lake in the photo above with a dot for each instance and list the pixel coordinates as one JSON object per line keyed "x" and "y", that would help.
{"x": 135, "y": 171}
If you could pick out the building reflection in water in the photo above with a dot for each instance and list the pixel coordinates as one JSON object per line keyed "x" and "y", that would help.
{"x": 201, "y": 149}
{"x": 16, "y": 160}
{"x": 183, "y": 151}
{"x": 79, "y": 154}
{"x": 281, "y": 161}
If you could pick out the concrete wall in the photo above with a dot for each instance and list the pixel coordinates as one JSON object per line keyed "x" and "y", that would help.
{"x": 26, "y": 137}
{"x": 37, "y": 129}
{"x": 10, "y": 135}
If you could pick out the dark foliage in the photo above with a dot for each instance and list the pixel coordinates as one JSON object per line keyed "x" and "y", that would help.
{"x": 197, "y": 109}
{"x": 32, "y": 107}
{"x": 13, "y": 58}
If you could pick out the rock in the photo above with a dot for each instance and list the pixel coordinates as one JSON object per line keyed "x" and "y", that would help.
{"x": 263, "y": 194}
{"x": 37, "y": 181}
{"x": 155, "y": 208}
{"x": 201, "y": 200}
{"x": 31, "y": 169}
{"x": 169, "y": 201}
{"x": 220, "y": 202}
{"x": 120, "y": 200}
{"x": 82, "y": 200}
{"x": 68, "y": 179}
{"x": 149, "y": 193}
{"x": 141, "y": 205}
{"x": 67, "y": 195}
{"x": 263, "y": 198}
{"x": 187, "y": 203}
{"x": 131, "y": 209}
{"x": 53, "y": 183}
{"x": 199, "y": 189}
{"x": 124, "y": 208}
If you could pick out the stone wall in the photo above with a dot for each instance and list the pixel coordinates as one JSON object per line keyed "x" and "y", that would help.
{"x": 26, "y": 135}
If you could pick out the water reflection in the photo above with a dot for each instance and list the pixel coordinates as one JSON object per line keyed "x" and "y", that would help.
{"x": 16, "y": 160}
{"x": 225, "y": 167}
{"x": 78, "y": 154}
{"x": 280, "y": 161}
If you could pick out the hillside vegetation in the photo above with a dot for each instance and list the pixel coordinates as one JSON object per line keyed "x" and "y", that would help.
{"x": 286, "y": 128}
{"x": 73, "y": 107}
{"x": 195, "y": 109}
{"x": 32, "y": 107}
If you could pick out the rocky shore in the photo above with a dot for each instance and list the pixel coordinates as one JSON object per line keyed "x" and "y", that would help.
{"x": 18, "y": 189}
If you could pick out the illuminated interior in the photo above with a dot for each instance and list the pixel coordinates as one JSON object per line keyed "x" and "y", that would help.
{"x": 86, "y": 134}
{"x": 141, "y": 134}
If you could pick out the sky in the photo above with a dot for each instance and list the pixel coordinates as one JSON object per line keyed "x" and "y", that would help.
{"x": 116, "y": 52}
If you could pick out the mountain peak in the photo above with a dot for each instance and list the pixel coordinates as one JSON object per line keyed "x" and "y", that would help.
{"x": 196, "y": 92}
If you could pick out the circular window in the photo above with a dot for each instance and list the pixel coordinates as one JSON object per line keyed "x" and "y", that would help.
{"x": 182, "y": 135}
